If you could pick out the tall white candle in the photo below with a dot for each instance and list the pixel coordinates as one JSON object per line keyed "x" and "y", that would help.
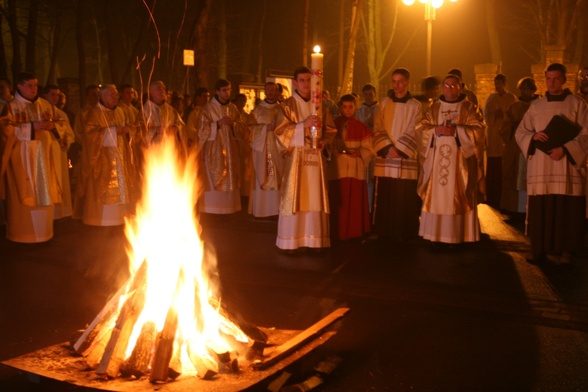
{"x": 316, "y": 88}
{"x": 316, "y": 92}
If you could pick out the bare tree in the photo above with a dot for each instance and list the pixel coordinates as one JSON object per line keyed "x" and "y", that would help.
{"x": 379, "y": 42}
{"x": 556, "y": 22}
{"x": 142, "y": 30}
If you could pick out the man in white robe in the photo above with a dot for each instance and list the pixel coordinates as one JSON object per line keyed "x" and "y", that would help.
{"x": 366, "y": 113}
{"x": 92, "y": 92}
{"x": 105, "y": 183}
{"x": 160, "y": 117}
{"x": 201, "y": 98}
{"x": 556, "y": 179}
{"x": 219, "y": 127}
{"x": 60, "y": 146}
{"x": 264, "y": 198}
{"x": 28, "y": 180}
{"x": 451, "y": 184}
{"x": 304, "y": 208}
{"x": 495, "y": 110}
{"x": 396, "y": 204}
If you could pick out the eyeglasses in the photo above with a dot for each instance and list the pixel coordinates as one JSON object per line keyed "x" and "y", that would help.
{"x": 451, "y": 86}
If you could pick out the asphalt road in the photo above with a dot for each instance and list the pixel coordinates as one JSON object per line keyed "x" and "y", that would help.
{"x": 475, "y": 317}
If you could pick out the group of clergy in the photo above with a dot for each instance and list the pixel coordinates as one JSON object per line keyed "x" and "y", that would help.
{"x": 399, "y": 168}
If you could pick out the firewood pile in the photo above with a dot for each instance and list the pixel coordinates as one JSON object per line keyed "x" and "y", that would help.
{"x": 160, "y": 354}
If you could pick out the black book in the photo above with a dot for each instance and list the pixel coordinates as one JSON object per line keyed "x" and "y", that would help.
{"x": 560, "y": 131}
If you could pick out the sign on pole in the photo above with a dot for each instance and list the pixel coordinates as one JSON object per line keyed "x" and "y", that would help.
{"x": 188, "y": 57}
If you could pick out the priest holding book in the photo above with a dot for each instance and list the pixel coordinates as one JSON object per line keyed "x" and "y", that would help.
{"x": 556, "y": 175}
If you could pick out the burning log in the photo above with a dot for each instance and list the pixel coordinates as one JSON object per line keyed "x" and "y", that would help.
{"x": 205, "y": 366}
{"x": 175, "y": 364}
{"x": 164, "y": 344}
{"x": 94, "y": 353}
{"x": 107, "y": 313}
{"x": 301, "y": 338}
{"x": 115, "y": 352}
{"x": 257, "y": 338}
{"x": 92, "y": 331}
{"x": 138, "y": 363}
{"x": 226, "y": 361}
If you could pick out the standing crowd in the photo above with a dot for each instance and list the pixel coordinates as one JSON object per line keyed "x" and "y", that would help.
{"x": 399, "y": 168}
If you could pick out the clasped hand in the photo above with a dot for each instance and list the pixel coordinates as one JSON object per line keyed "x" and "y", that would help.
{"x": 225, "y": 121}
{"x": 557, "y": 153}
{"x": 43, "y": 125}
{"x": 445, "y": 130}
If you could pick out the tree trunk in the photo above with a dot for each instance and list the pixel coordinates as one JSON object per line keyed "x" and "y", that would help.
{"x": 99, "y": 66}
{"x": 580, "y": 40}
{"x": 494, "y": 38}
{"x": 3, "y": 62}
{"x": 260, "y": 78}
{"x": 55, "y": 44}
{"x": 111, "y": 42}
{"x": 347, "y": 82}
{"x": 16, "y": 61}
{"x": 341, "y": 58}
{"x": 247, "y": 35}
{"x": 305, "y": 32}
{"x": 31, "y": 41}
{"x": 199, "y": 37}
{"x": 371, "y": 32}
{"x": 222, "y": 40}
{"x": 81, "y": 52}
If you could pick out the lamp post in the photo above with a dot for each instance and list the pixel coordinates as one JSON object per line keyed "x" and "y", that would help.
{"x": 430, "y": 7}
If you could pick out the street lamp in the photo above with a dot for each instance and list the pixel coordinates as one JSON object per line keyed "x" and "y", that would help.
{"x": 430, "y": 7}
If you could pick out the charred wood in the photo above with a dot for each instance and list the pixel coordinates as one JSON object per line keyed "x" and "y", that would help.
{"x": 115, "y": 351}
{"x": 138, "y": 363}
{"x": 164, "y": 344}
{"x": 206, "y": 367}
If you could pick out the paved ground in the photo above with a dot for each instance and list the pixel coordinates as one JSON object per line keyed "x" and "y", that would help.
{"x": 423, "y": 318}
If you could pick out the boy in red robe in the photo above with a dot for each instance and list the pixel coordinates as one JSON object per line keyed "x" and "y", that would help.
{"x": 351, "y": 153}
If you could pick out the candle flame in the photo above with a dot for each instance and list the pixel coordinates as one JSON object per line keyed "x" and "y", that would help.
{"x": 317, "y": 49}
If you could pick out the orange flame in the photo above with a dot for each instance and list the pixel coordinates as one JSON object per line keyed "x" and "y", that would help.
{"x": 165, "y": 234}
